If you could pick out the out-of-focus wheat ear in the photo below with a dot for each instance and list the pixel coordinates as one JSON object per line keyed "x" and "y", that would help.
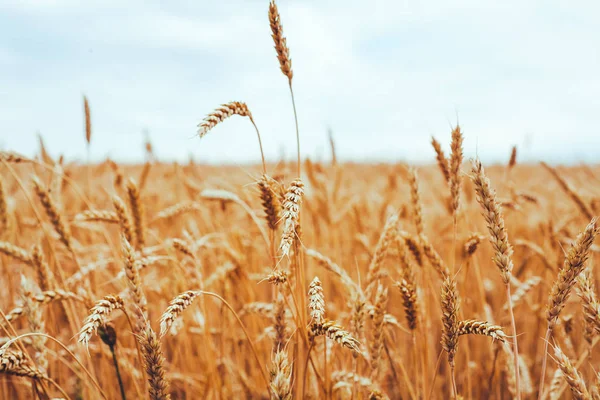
{"x": 595, "y": 390}
{"x": 377, "y": 394}
{"x": 278, "y": 277}
{"x": 442, "y": 161}
{"x": 513, "y": 158}
{"x": 290, "y": 214}
{"x": 270, "y": 202}
{"x": 3, "y": 209}
{"x": 134, "y": 282}
{"x": 44, "y": 155}
{"x": 35, "y": 319}
{"x": 88, "y": 120}
{"x": 407, "y": 285}
{"x": 413, "y": 246}
{"x": 176, "y": 307}
{"x": 409, "y": 302}
{"x": 555, "y": 384}
{"x": 573, "y": 266}
{"x": 279, "y": 324}
{"x": 15, "y": 363}
{"x": 183, "y": 247}
{"x": 137, "y": 210}
{"x": 471, "y": 244}
{"x": 283, "y": 53}
{"x": 330, "y": 266}
{"x": 571, "y": 375}
{"x": 98, "y": 314}
{"x": 154, "y": 361}
{"x": 144, "y": 175}
{"x": 591, "y": 307}
{"x": 434, "y": 258}
{"x": 64, "y": 233}
{"x": 16, "y": 252}
{"x": 316, "y": 301}
{"x": 177, "y": 210}
{"x": 376, "y": 345}
{"x": 345, "y": 379}
{"x": 390, "y": 231}
{"x": 281, "y": 376}
{"x": 415, "y": 200}
{"x": 124, "y": 218}
{"x": 107, "y": 216}
{"x": 526, "y": 386}
{"x": 456, "y": 159}
{"x": 41, "y": 268}
{"x": 118, "y": 180}
{"x": 13, "y": 158}
{"x": 259, "y": 308}
{"x": 566, "y": 187}
{"x": 221, "y": 114}
{"x": 358, "y": 313}
{"x": 523, "y": 289}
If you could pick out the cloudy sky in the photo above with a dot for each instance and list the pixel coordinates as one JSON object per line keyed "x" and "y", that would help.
{"x": 383, "y": 75}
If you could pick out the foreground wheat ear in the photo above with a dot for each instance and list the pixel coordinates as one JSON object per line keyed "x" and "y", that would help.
{"x": 573, "y": 266}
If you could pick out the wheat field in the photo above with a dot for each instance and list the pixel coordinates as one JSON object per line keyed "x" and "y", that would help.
{"x": 297, "y": 279}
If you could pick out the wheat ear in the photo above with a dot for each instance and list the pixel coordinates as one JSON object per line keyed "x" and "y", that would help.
{"x": 456, "y": 159}
{"x": 415, "y": 200}
{"x": 281, "y": 376}
{"x": 98, "y": 314}
{"x": 376, "y": 345}
{"x": 571, "y": 375}
{"x": 316, "y": 301}
{"x": 134, "y": 281}
{"x": 442, "y": 161}
{"x": 53, "y": 214}
{"x": 3, "y": 209}
{"x": 573, "y": 266}
{"x": 566, "y": 187}
{"x": 176, "y": 307}
{"x": 503, "y": 251}
{"x": 291, "y": 214}
{"x": 138, "y": 213}
{"x": 124, "y": 218}
{"x": 97, "y": 216}
{"x": 484, "y": 328}
{"x": 154, "y": 361}
{"x": 450, "y": 308}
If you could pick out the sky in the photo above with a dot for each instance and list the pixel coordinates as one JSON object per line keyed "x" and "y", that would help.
{"x": 384, "y": 76}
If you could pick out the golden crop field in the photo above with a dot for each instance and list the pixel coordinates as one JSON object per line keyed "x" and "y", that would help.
{"x": 298, "y": 279}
